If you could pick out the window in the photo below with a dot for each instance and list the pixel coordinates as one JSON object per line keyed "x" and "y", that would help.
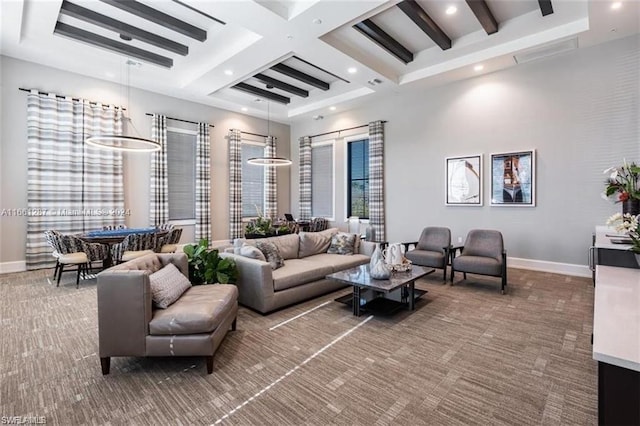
{"x": 322, "y": 174}
{"x": 358, "y": 178}
{"x": 252, "y": 180}
{"x": 181, "y": 174}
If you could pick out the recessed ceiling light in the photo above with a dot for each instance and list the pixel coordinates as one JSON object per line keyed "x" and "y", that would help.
{"x": 352, "y": 70}
{"x": 616, "y": 5}
{"x": 228, "y": 72}
{"x": 478, "y": 68}
{"x": 451, "y": 10}
{"x": 244, "y": 109}
{"x": 332, "y": 108}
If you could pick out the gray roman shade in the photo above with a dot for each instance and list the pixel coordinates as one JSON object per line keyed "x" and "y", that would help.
{"x": 322, "y": 181}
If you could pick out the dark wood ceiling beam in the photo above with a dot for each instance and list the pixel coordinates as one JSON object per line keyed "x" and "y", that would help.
{"x": 247, "y": 88}
{"x": 384, "y": 40}
{"x": 545, "y": 7}
{"x": 420, "y": 17}
{"x": 115, "y": 46}
{"x": 484, "y": 15}
{"x": 300, "y": 76}
{"x": 111, "y": 24}
{"x": 282, "y": 85}
{"x": 160, "y": 18}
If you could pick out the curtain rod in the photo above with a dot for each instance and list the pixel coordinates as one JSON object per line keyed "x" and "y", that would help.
{"x": 342, "y": 130}
{"x": 64, "y": 97}
{"x": 179, "y": 119}
{"x": 249, "y": 133}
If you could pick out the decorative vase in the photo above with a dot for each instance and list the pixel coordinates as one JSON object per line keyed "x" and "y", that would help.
{"x": 377, "y": 267}
{"x": 631, "y": 206}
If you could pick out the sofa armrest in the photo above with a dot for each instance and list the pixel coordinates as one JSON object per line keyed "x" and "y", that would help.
{"x": 255, "y": 282}
{"x": 124, "y": 312}
{"x": 367, "y": 247}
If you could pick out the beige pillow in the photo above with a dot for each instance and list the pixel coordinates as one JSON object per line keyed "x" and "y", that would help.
{"x": 287, "y": 245}
{"x": 167, "y": 285}
{"x": 314, "y": 242}
{"x": 251, "y": 252}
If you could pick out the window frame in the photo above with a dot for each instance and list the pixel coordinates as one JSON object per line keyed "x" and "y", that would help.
{"x": 262, "y": 144}
{"x": 347, "y": 140}
{"x": 183, "y": 222}
{"x": 331, "y": 142}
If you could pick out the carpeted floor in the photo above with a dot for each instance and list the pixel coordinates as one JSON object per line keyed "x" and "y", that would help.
{"x": 466, "y": 355}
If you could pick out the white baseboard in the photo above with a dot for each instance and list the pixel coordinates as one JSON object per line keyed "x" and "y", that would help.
{"x": 8, "y": 267}
{"x": 553, "y": 267}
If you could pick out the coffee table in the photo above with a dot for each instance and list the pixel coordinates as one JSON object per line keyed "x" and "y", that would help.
{"x": 360, "y": 279}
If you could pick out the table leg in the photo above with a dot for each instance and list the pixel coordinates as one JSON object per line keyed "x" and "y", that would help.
{"x": 108, "y": 261}
{"x": 412, "y": 303}
{"x": 356, "y": 300}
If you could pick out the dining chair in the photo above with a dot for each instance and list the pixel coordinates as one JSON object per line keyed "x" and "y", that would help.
{"x": 52, "y": 241}
{"x": 484, "y": 254}
{"x": 134, "y": 246}
{"x": 169, "y": 242}
{"x": 76, "y": 252}
{"x": 432, "y": 249}
{"x": 318, "y": 224}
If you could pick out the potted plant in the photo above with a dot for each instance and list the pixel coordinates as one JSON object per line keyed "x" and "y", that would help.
{"x": 623, "y": 183}
{"x": 207, "y": 267}
{"x": 630, "y": 225}
{"x": 262, "y": 227}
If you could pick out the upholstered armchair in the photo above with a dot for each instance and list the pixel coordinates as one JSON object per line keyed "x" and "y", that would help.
{"x": 169, "y": 242}
{"x": 483, "y": 254}
{"x": 432, "y": 249}
{"x": 73, "y": 251}
{"x": 134, "y": 246}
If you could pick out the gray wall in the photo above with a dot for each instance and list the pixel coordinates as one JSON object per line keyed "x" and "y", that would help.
{"x": 13, "y": 146}
{"x": 579, "y": 111}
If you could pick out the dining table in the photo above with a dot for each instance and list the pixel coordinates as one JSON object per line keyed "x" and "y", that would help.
{"x": 111, "y": 237}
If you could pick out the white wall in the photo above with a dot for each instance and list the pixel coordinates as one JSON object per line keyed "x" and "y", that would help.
{"x": 13, "y": 146}
{"x": 579, "y": 111}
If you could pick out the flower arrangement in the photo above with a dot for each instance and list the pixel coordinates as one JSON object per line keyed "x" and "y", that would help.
{"x": 627, "y": 224}
{"x": 264, "y": 227}
{"x": 623, "y": 182}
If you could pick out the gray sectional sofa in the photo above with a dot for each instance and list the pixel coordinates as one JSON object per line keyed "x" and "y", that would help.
{"x": 306, "y": 263}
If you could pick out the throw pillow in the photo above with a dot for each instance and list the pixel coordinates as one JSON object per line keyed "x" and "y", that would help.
{"x": 342, "y": 243}
{"x": 167, "y": 285}
{"x": 252, "y": 252}
{"x": 271, "y": 253}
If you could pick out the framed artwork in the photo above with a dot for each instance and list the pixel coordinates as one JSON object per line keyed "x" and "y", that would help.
{"x": 513, "y": 179}
{"x": 464, "y": 181}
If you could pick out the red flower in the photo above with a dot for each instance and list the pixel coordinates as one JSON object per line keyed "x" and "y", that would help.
{"x": 624, "y": 196}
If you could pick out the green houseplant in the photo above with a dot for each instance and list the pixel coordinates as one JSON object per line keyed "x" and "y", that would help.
{"x": 207, "y": 267}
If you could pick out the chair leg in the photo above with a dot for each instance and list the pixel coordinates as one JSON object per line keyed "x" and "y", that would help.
{"x": 55, "y": 271}
{"x": 233, "y": 324}
{"x": 105, "y": 363}
{"x": 444, "y": 273}
{"x": 464, "y": 275}
{"x": 78, "y": 275}
{"x": 209, "y": 360}
{"x": 60, "y": 274}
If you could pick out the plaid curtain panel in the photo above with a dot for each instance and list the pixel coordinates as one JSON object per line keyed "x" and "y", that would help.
{"x": 71, "y": 187}
{"x": 159, "y": 208}
{"x": 270, "y": 182}
{"x": 235, "y": 184}
{"x": 203, "y": 183}
{"x": 305, "y": 178}
{"x": 376, "y": 178}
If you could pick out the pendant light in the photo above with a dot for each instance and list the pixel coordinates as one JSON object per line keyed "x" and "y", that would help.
{"x": 130, "y": 140}
{"x": 269, "y": 161}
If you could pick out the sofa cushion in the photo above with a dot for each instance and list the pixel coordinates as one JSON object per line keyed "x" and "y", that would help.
{"x": 342, "y": 243}
{"x": 287, "y": 244}
{"x": 315, "y": 242}
{"x": 201, "y": 309}
{"x": 478, "y": 264}
{"x": 167, "y": 285}
{"x": 271, "y": 254}
{"x": 299, "y": 271}
{"x": 338, "y": 262}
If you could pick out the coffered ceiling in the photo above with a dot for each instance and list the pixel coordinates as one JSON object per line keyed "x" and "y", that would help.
{"x": 302, "y": 56}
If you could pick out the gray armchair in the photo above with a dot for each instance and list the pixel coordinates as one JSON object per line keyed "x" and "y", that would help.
{"x": 432, "y": 249}
{"x": 483, "y": 254}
